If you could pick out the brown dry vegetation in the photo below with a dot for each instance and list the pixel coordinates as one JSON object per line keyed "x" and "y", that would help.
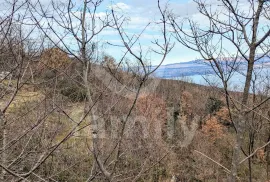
{"x": 174, "y": 102}
{"x": 54, "y": 104}
{"x": 77, "y": 115}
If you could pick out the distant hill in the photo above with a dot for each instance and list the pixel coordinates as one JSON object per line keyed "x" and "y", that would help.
{"x": 199, "y": 67}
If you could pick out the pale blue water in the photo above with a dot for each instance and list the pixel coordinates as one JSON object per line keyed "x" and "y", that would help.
{"x": 236, "y": 82}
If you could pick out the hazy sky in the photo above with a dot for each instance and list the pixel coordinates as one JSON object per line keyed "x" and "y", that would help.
{"x": 143, "y": 11}
{"x": 140, "y": 13}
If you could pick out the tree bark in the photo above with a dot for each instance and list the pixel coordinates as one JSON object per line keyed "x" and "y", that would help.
{"x": 4, "y": 142}
{"x": 240, "y": 126}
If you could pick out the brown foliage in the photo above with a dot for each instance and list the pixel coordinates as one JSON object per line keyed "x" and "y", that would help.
{"x": 260, "y": 154}
{"x": 213, "y": 129}
{"x": 152, "y": 107}
{"x": 223, "y": 114}
{"x": 54, "y": 58}
{"x": 187, "y": 102}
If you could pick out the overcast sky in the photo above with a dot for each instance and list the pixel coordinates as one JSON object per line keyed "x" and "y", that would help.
{"x": 140, "y": 13}
{"x": 143, "y": 11}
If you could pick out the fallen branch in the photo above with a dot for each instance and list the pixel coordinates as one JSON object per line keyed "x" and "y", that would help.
{"x": 255, "y": 151}
{"x": 226, "y": 169}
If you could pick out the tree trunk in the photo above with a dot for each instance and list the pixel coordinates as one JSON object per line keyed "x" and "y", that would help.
{"x": 236, "y": 155}
{"x": 4, "y": 142}
{"x": 268, "y": 159}
{"x": 240, "y": 124}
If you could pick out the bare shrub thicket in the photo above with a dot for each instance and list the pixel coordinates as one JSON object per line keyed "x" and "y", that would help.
{"x": 234, "y": 37}
{"x": 70, "y": 112}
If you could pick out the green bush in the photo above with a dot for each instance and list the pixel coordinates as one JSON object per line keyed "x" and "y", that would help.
{"x": 213, "y": 105}
{"x": 48, "y": 74}
{"x": 71, "y": 90}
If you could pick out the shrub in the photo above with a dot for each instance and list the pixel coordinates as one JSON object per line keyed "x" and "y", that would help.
{"x": 71, "y": 90}
{"x": 213, "y": 105}
{"x": 213, "y": 128}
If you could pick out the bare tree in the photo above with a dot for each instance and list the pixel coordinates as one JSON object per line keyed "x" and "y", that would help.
{"x": 233, "y": 38}
{"x": 74, "y": 28}
{"x": 17, "y": 54}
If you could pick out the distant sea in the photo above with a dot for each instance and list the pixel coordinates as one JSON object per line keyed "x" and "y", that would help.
{"x": 196, "y": 72}
{"x": 261, "y": 80}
